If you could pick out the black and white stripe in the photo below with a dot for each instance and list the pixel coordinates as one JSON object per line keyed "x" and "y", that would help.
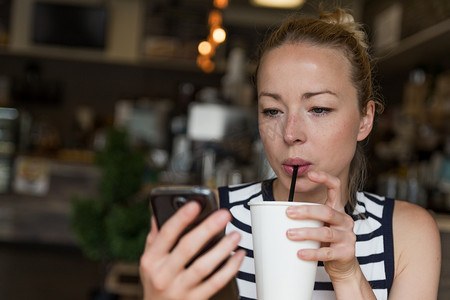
{"x": 373, "y": 228}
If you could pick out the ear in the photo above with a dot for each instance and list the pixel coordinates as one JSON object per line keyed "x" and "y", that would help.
{"x": 366, "y": 123}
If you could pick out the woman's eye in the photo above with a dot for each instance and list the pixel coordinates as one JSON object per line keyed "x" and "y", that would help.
{"x": 320, "y": 110}
{"x": 271, "y": 112}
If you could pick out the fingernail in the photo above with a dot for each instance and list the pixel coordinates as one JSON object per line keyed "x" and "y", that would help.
{"x": 240, "y": 254}
{"x": 223, "y": 216}
{"x": 313, "y": 173}
{"x": 291, "y": 232}
{"x": 191, "y": 206}
{"x": 235, "y": 236}
{"x": 302, "y": 254}
{"x": 291, "y": 210}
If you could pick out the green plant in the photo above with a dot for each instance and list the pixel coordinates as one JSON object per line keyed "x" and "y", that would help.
{"x": 114, "y": 225}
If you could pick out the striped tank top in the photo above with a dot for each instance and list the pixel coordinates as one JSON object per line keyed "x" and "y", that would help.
{"x": 373, "y": 228}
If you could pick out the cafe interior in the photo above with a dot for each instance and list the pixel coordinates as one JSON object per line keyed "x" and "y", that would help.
{"x": 103, "y": 100}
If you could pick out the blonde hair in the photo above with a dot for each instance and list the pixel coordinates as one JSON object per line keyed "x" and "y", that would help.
{"x": 337, "y": 30}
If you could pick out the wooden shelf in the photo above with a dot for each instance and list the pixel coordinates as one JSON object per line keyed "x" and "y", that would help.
{"x": 91, "y": 56}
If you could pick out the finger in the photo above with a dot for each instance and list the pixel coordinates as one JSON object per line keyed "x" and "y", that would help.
{"x": 153, "y": 233}
{"x": 170, "y": 232}
{"x": 334, "y": 188}
{"x": 146, "y": 258}
{"x": 322, "y": 213}
{"x": 211, "y": 260}
{"x": 323, "y": 234}
{"x": 217, "y": 281}
{"x": 325, "y": 254}
{"x": 192, "y": 242}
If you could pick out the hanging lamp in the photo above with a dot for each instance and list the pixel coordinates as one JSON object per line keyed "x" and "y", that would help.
{"x": 278, "y": 3}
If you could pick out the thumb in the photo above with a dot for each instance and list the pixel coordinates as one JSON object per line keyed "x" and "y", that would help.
{"x": 333, "y": 185}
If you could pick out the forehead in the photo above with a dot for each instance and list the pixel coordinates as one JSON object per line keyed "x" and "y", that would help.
{"x": 296, "y": 69}
{"x": 323, "y": 58}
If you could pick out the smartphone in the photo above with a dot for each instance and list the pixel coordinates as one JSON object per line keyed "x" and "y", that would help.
{"x": 166, "y": 200}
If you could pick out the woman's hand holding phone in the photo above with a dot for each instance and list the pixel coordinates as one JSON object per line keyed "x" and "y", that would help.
{"x": 163, "y": 268}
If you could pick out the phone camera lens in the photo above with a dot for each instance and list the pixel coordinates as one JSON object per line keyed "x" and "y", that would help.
{"x": 179, "y": 201}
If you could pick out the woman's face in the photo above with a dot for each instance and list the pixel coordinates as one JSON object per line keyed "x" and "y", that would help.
{"x": 308, "y": 114}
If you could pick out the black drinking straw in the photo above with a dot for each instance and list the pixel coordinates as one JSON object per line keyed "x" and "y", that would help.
{"x": 294, "y": 179}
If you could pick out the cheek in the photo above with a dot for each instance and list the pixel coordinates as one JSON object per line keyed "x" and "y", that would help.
{"x": 270, "y": 138}
{"x": 342, "y": 141}
{"x": 266, "y": 138}
{"x": 347, "y": 127}
{"x": 270, "y": 131}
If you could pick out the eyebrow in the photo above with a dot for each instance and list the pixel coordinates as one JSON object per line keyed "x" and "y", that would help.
{"x": 271, "y": 95}
{"x": 310, "y": 95}
{"x": 305, "y": 96}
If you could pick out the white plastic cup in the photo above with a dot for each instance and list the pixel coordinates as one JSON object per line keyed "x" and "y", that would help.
{"x": 280, "y": 273}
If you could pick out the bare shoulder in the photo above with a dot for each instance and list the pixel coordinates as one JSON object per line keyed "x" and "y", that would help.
{"x": 411, "y": 219}
{"x": 417, "y": 250}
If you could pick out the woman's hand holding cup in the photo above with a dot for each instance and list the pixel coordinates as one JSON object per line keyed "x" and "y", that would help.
{"x": 337, "y": 238}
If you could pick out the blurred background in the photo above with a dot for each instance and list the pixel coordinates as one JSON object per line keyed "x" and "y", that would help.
{"x": 102, "y": 100}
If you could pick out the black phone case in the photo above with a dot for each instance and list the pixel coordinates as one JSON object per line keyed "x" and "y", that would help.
{"x": 165, "y": 201}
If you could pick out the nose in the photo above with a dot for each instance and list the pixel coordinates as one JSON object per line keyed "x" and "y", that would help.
{"x": 294, "y": 132}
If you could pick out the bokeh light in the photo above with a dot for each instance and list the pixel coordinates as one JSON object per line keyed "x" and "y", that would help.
{"x": 219, "y": 35}
{"x": 204, "y": 48}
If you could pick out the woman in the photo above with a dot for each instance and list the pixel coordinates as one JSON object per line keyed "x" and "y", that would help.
{"x": 315, "y": 107}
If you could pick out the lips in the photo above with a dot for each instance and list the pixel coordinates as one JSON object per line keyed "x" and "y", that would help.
{"x": 303, "y": 166}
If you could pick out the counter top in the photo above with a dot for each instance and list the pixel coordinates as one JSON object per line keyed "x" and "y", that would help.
{"x": 45, "y": 219}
